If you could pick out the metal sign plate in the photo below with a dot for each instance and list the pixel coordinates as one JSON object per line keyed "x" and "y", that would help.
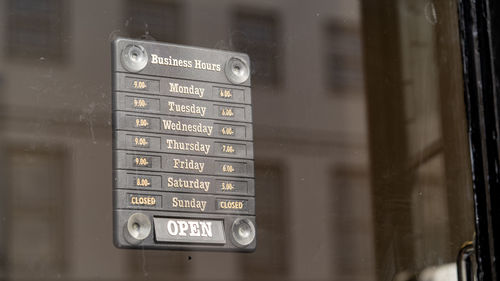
{"x": 182, "y": 148}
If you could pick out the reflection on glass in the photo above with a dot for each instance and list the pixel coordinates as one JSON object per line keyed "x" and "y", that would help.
{"x": 418, "y": 143}
{"x": 35, "y": 29}
{"x": 343, "y": 63}
{"x": 35, "y": 217}
{"x": 272, "y": 258}
{"x": 158, "y": 20}
{"x": 256, "y": 33}
{"x": 369, "y": 181}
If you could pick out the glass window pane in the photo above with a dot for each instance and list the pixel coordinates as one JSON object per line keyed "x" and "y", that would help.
{"x": 361, "y": 152}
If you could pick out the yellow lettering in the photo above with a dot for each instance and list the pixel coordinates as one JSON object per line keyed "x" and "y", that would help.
{"x": 139, "y": 84}
{"x": 228, "y": 148}
{"x": 144, "y": 182}
{"x": 227, "y": 112}
{"x": 141, "y": 123}
{"x": 227, "y": 186}
{"x": 225, "y": 93}
{"x": 139, "y": 141}
{"x": 235, "y": 205}
{"x": 228, "y": 131}
{"x": 143, "y": 200}
{"x": 140, "y": 103}
{"x": 141, "y": 161}
{"x": 227, "y": 168}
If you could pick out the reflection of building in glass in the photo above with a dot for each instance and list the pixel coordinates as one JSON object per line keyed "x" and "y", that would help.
{"x": 169, "y": 265}
{"x": 343, "y": 69}
{"x": 350, "y": 224}
{"x": 419, "y": 169}
{"x": 36, "y": 217}
{"x": 35, "y": 29}
{"x": 257, "y": 34}
{"x": 271, "y": 260}
{"x": 158, "y": 19}
{"x": 300, "y": 134}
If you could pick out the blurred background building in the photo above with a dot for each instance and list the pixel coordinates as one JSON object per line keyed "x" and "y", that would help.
{"x": 353, "y": 174}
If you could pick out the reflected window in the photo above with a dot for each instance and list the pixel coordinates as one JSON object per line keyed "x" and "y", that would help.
{"x": 167, "y": 263}
{"x": 352, "y": 251}
{"x": 157, "y": 19}
{"x": 270, "y": 258}
{"x": 342, "y": 59}
{"x": 256, "y": 34}
{"x": 35, "y": 221}
{"x": 35, "y": 29}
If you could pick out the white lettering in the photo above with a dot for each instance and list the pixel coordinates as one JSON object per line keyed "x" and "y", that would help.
{"x": 188, "y": 165}
{"x": 189, "y": 203}
{"x": 190, "y": 228}
{"x": 183, "y": 226}
{"x": 194, "y": 226}
{"x": 188, "y": 146}
{"x": 186, "y": 90}
{"x": 198, "y": 64}
{"x": 188, "y": 184}
{"x": 178, "y": 126}
{"x": 191, "y": 109}
{"x": 172, "y": 228}
{"x": 206, "y": 229}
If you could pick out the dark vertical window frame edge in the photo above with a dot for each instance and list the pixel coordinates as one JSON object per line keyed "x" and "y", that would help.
{"x": 479, "y": 45}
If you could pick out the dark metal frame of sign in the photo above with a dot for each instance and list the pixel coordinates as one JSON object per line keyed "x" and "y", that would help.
{"x": 182, "y": 148}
